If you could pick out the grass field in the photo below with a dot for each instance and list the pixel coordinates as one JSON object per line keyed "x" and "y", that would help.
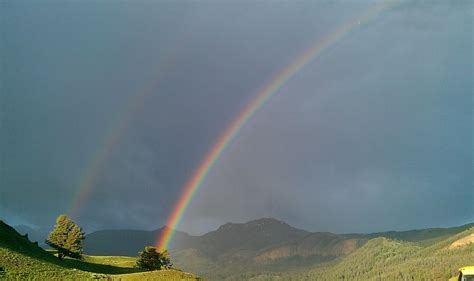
{"x": 21, "y": 259}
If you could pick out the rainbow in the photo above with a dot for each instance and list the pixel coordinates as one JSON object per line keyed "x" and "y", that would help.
{"x": 110, "y": 141}
{"x": 261, "y": 98}
{"x": 113, "y": 136}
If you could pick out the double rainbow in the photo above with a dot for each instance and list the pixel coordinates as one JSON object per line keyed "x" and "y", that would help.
{"x": 261, "y": 98}
{"x": 114, "y": 135}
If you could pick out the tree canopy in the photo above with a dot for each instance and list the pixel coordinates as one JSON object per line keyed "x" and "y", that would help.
{"x": 151, "y": 259}
{"x": 66, "y": 238}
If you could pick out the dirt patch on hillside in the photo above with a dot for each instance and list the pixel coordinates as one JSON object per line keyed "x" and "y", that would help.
{"x": 462, "y": 242}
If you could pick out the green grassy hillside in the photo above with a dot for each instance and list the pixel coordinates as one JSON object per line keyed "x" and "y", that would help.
{"x": 22, "y": 259}
{"x": 386, "y": 259}
{"x": 424, "y": 237}
{"x": 320, "y": 255}
{"x": 378, "y": 259}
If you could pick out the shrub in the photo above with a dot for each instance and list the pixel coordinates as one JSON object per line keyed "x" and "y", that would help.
{"x": 151, "y": 259}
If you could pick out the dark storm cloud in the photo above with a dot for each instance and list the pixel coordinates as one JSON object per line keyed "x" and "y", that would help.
{"x": 374, "y": 135}
{"x": 375, "y": 130}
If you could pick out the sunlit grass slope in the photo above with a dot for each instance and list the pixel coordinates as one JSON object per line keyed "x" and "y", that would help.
{"x": 21, "y": 259}
{"x": 169, "y": 274}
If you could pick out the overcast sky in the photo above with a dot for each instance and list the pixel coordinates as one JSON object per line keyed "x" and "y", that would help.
{"x": 376, "y": 134}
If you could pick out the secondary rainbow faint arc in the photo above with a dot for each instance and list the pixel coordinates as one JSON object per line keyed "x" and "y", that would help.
{"x": 260, "y": 99}
{"x": 114, "y": 135}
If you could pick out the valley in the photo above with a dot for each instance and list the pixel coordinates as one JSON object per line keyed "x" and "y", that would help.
{"x": 271, "y": 249}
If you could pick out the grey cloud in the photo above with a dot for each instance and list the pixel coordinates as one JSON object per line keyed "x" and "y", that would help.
{"x": 384, "y": 113}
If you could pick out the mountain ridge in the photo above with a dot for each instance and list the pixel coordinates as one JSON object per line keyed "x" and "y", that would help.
{"x": 255, "y": 235}
{"x": 240, "y": 251}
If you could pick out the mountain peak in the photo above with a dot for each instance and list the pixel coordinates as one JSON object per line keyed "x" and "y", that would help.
{"x": 263, "y": 222}
{"x": 266, "y": 221}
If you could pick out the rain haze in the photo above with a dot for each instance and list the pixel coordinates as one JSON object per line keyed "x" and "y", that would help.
{"x": 126, "y": 98}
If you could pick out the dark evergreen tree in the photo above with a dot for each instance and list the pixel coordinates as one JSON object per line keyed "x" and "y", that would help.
{"x": 66, "y": 238}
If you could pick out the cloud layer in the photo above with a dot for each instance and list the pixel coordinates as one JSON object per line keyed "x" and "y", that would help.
{"x": 375, "y": 134}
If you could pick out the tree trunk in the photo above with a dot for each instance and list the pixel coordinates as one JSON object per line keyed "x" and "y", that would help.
{"x": 60, "y": 255}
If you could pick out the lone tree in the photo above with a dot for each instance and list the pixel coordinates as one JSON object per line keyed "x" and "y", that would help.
{"x": 151, "y": 259}
{"x": 66, "y": 238}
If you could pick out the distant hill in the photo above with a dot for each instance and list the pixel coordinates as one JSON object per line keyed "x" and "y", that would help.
{"x": 242, "y": 250}
{"x": 242, "y": 238}
{"x": 386, "y": 259}
{"x": 424, "y": 236}
{"x": 33, "y": 234}
{"x": 124, "y": 242}
{"x": 230, "y": 237}
{"x": 258, "y": 235}
{"x": 326, "y": 245}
